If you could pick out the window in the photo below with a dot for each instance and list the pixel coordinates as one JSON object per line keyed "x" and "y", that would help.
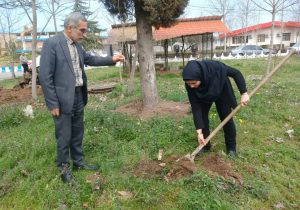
{"x": 286, "y": 36}
{"x": 261, "y": 37}
{"x": 238, "y": 40}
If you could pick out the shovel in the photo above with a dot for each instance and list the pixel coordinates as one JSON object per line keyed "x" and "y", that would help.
{"x": 191, "y": 157}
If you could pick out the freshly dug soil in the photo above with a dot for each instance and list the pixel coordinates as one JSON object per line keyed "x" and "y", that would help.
{"x": 172, "y": 169}
{"x": 15, "y": 95}
{"x": 164, "y": 108}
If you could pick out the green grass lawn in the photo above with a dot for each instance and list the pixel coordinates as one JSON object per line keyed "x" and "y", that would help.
{"x": 269, "y": 160}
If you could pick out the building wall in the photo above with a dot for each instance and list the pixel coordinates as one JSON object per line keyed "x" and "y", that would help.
{"x": 294, "y": 37}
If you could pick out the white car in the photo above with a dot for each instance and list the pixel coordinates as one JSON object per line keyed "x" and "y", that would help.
{"x": 37, "y": 60}
{"x": 249, "y": 50}
{"x": 296, "y": 47}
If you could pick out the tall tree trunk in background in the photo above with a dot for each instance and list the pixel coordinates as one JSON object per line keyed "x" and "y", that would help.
{"x": 132, "y": 71}
{"x": 225, "y": 42}
{"x": 34, "y": 35}
{"x": 182, "y": 51}
{"x": 166, "y": 51}
{"x": 54, "y": 17}
{"x": 146, "y": 58}
{"x": 271, "y": 45}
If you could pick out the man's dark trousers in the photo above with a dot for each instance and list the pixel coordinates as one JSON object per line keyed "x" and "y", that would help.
{"x": 69, "y": 131}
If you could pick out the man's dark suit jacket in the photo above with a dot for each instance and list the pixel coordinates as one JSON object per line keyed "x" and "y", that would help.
{"x": 57, "y": 75}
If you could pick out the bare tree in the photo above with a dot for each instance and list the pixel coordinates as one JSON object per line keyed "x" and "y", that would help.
{"x": 273, "y": 7}
{"x": 224, "y": 8}
{"x": 27, "y": 5}
{"x": 8, "y": 19}
{"x": 52, "y": 9}
{"x": 245, "y": 12}
{"x": 296, "y": 16}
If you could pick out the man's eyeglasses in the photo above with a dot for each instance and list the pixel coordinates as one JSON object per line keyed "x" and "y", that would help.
{"x": 82, "y": 30}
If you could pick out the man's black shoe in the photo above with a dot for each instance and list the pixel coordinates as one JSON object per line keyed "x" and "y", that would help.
{"x": 65, "y": 173}
{"x": 85, "y": 167}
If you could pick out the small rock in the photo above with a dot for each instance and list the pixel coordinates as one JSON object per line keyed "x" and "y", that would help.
{"x": 85, "y": 205}
{"x": 268, "y": 154}
{"x": 24, "y": 172}
{"x": 290, "y": 132}
{"x": 222, "y": 186}
{"x": 125, "y": 194}
{"x": 162, "y": 164}
{"x": 279, "y": 206}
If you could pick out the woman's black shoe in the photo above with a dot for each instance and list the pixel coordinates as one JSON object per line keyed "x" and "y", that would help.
{"x": 232, "y": 153}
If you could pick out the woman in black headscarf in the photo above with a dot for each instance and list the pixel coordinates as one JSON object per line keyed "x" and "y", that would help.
{"x": 207, "y": 82}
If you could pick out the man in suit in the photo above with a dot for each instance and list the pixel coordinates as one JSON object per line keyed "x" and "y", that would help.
{"x": 64, "y": 85}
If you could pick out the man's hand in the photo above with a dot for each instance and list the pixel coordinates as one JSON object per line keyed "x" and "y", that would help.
{"x": 245, "y": 99}
{"x": 201, "y": 139}
{"x": 55, "y": 112}
{"x": 117, "y": 58}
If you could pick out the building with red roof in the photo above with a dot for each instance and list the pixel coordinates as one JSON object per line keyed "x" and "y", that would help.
{"x": 285, "y": 33}
{"x": 202, "y": 33}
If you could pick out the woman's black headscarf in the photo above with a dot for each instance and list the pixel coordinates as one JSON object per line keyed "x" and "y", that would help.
{"x": 213, "y": 77}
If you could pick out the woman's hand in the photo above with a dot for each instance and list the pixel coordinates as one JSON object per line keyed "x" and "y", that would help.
{"x": 245, "y": 98}
{"x": 201, "y": 139}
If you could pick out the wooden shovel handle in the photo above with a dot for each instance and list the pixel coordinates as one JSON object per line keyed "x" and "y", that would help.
{"x": 267, "y": 77}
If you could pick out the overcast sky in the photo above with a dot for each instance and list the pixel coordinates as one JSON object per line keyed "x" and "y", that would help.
{"x": 195, "y": 8}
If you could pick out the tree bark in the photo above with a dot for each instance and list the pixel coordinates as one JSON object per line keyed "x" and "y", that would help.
{"x": 34, "y": 35}
{"x": 146, "y": 58}
{"x": 166, "y": 51}
{"x": 271, "y": 43}
{"x": 182, "y": 51}
{"x": 132, "y": 71}
{"x": 54, "y": 17}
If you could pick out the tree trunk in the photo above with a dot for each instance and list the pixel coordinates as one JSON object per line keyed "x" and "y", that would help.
{"x": 225, "y": 42}
{"x": 182, "y": 51}
{"x": 132, "y": 72}
{"x": 34, "y": 34}
{"x": 166, "y": 50}
{"x": 146, "y": 58}
{"x": 54, "y": 17}
{"x": 13, "y": 76}
{"x": 271, "y": 43}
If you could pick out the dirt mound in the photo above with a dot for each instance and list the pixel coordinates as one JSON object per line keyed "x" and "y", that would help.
{"x": 172, "y": 169}
{"x": 169, "y": 169}
{"x": 149, "y": 169}
{"x": 16, "y": 95}
{"x": 164, "y": 108}
{"x": 179, "y": 168}
{"x": 215, "y": 163}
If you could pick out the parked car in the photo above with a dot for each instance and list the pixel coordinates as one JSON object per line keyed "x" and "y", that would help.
{"x": 296, "y": 47}
{"x": 249, "y": 50}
